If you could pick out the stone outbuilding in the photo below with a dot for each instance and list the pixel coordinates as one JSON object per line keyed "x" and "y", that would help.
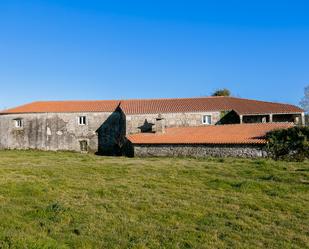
{"x": 234, "y": 140}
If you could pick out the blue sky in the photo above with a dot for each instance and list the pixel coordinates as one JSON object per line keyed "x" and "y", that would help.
{"x": 91, "y": 49}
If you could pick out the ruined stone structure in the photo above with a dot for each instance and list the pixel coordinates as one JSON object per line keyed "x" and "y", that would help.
{"x": 104, "y": 126}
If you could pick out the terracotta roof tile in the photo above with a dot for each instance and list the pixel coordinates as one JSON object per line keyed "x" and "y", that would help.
{"x": 213, "y": 134}
{"x": 241, "y": 106}
{"x": 65, "y": 106}
{"x": 153, "y": 106}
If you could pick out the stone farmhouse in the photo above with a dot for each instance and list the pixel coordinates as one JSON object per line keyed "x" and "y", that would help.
{"x": 216, "y": 126}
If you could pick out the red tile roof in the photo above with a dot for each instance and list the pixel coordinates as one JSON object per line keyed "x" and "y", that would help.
{"x": 65, "y": 106}
{"x": 213, "y": 134}
{"x": 239, "y": 105}
{"x": 153, "y": 106}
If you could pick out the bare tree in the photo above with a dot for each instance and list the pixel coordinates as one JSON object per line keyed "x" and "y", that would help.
{"x": 305, "y": 100}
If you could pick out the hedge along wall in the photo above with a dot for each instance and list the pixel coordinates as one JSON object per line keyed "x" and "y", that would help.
{"x": 200, "y": 150}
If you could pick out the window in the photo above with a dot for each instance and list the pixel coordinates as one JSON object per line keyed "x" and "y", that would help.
{"x": 82, "y": 120}
{"x": 83, "y": 146}
{"x": 206, "y": 119}
{"x": 18, "y": 123}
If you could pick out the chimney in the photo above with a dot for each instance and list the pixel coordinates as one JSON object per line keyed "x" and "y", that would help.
{"x": 160, "y": 124}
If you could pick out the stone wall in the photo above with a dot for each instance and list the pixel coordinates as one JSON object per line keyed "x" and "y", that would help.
{"x": 61, "y": 131}
{"x": 146, "y": 122}
{"x": 245, "y": 151}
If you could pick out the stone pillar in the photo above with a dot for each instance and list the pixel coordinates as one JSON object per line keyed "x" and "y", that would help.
{"x": 241, "y": 118}
{"x": 270, "y": 118}
{"x": 160, "y": 124}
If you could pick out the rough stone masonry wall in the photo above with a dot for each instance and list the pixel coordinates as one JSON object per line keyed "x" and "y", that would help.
{"x": 136, "y": 123}
{"x": 245, "y": 151}
{"x": 57, "y": 131}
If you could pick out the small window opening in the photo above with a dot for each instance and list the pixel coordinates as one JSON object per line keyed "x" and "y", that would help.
{"x": 18, "y": 123}
{"x": 82, "y": 120}
{"x": 206, "y": 119}
{"x": 83, "y": 146}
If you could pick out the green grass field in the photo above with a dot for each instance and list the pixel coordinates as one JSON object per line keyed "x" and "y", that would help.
{"x": 69, "y": 200}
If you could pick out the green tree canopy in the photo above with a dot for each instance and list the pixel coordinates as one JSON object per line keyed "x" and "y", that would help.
{"x": 222, "y": 92}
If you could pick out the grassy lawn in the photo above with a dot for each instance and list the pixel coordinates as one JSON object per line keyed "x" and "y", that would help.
{"x": 68, "y": 200}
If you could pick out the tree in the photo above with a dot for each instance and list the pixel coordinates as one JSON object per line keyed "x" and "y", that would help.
{"x": 222, "y": 92}
{"x": 305, "y": 100}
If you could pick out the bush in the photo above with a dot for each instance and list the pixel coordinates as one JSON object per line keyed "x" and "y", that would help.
{"x": 289, "y": 144}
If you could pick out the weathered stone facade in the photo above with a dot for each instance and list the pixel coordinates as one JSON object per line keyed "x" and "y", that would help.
{"x": 61, "y": 131}
{"x": 147, "y": 122}
{"x": 105, "y": 132}
{"x": 202, "y": 150}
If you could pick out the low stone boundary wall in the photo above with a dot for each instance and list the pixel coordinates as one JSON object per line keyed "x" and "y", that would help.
{"x": 203, "y": 150}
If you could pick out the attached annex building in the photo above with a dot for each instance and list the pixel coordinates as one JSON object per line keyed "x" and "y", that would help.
{"x": 145, "y": 126}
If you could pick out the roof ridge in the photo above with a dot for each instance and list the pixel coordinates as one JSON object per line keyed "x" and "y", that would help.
{"x": 151, "y": 99}
{"x": 63, "y": 101}
{"x": 177, "y": 98}
{"x": 120, "y": 100}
